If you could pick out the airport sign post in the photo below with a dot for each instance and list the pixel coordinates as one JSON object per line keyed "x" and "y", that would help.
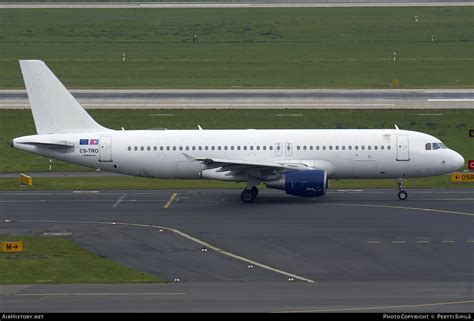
{"x": 12, "y": 247}
{"x": 462, "y": 177}
{"x": 470, "y": 164}
{"x": 26, "y": 180}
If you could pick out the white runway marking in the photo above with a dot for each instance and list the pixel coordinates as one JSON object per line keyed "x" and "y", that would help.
{"x": 452, "y": 99}
{"x": 449, "y": 91}
{"x": 403, "y": 208}
{"x": 57, "y": 234}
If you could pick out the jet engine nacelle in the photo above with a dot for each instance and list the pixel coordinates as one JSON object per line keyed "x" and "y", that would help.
{"x": 301, "y": 183}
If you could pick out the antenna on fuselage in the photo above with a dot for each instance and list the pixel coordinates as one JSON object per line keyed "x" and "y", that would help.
{"x": 396, "y": 127}
{"x": 199, "y": 127}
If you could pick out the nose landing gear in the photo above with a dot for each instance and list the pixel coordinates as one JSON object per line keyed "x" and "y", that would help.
{"x": 402, "y": 195}
{"x": 249, "y": 195}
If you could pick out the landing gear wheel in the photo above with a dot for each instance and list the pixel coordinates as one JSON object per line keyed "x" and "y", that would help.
{"x": 248, "y": 195}
{"x": 402, "y": 195}
{"x": 254, "y": 190}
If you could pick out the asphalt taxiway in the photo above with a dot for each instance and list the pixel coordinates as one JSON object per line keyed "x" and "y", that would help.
{"x": 352, "y": 250}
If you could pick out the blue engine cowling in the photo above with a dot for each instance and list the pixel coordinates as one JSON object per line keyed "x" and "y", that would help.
{"x": 301, "y": 183}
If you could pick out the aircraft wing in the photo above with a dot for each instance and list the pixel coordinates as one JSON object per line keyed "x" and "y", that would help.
{"x": 258, "y": 170}
{"x": 216, "y": 162}
{"x": 262, "y": 170}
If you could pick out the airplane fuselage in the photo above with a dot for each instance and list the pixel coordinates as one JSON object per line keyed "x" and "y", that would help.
{"x": 350, "y": 153}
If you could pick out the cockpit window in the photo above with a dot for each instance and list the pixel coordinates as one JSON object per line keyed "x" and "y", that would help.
{"x": 430, "y": 146}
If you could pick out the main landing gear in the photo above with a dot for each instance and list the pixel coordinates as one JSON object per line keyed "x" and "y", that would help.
{"x": 402, "y": 195}
{"x": 249, "y": 195}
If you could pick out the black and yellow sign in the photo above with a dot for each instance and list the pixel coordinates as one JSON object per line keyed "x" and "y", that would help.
{"x": 471, "y": 132}
{"x": 462, "y": 177}
{"x": 10, "y": 247}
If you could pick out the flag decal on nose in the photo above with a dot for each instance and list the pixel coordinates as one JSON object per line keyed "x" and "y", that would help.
{"x": 83, "y": 142}
{"x": 94, "y": 142}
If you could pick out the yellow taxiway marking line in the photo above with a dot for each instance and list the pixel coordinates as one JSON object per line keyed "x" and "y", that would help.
{"x": 170, "y": 201}
{"x": 235, "y": 256}
{"x": 386, "y": 307}
{"x": 404, "y": 208}
{"x": 187, "y": 236}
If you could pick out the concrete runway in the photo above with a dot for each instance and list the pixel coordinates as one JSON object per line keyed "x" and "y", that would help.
{"x": 352, "y": 250}
{"x": 240, "y": 4}
{"x": 262, "y": 98}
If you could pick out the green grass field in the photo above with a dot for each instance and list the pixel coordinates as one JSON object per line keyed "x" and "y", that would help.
{"x": 452, "y": 128}
{"x": 54, "y": 260}
{"x": 265, "y": 48}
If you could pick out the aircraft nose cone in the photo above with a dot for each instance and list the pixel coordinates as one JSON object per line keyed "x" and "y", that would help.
{"x": 458, "y": 161}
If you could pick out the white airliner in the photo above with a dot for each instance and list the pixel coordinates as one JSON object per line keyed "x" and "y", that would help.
{"x": 300, "y": 162}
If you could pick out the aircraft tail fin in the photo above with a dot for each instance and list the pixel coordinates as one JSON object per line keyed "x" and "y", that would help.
{"x": 54, "y": 109}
